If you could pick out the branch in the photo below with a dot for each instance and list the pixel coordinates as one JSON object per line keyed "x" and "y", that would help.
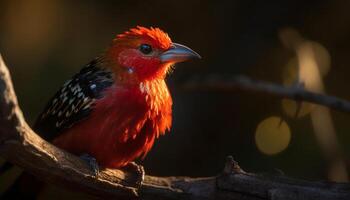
{"x": 21, "y": 146}
{"x": 225, "y": 83}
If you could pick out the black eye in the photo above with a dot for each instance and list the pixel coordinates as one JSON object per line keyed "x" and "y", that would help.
{"x": 145, "y": 48}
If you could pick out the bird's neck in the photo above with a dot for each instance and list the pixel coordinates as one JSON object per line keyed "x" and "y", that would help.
{"x": 154, "y": 92}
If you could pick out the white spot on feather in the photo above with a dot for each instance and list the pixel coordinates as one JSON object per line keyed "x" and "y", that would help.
{"x": 93, "y": 86}
{"x": 66, "y": 83}
{"x": 144, "y": 88}
{"x": 130, "y": 70}
{"x": 71, "y": 101}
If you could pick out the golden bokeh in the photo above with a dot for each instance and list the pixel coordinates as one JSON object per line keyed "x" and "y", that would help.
{"x": 305, "y": 70}
{"x": 296, "y": 109}
{"x": 272, "y": 135}
{"x": 291, "y": 107}
{"x": 322, "y": 57}
{"x": 290, "y": 72}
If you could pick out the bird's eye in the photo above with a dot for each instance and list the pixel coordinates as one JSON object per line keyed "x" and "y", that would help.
{"x": 145, "y": 48}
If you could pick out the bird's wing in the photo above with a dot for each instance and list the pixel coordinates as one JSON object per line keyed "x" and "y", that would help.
{"x": 73, "y": 101}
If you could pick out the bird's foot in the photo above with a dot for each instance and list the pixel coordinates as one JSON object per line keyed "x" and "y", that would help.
{"x": 138, "y": 170}
{"x": 92, "y": 162}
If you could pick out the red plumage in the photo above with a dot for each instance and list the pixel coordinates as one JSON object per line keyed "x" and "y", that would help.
{"x": 122, "y": 125}
{"x": 117, "y": 106}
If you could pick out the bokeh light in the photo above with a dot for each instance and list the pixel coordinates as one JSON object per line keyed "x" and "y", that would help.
{"x": 321, "y": 56}
{"x": 290, "y": 72}
{"x": 312, "y": 61}
{"x": 307, "y": 69}
{"x": 296, "y": 109}
{"x": 290, "y": 78}
{"x": 272, "y": 135}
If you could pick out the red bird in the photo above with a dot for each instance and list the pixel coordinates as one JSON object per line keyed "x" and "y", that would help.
{"x": 111, "y": 112}
{"x": 118, "y": 104}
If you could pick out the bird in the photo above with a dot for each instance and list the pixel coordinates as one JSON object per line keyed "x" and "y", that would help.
{"x": 112, "y": 111}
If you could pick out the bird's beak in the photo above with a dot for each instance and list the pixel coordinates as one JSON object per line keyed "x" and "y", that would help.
{"x": 178, "y": 53}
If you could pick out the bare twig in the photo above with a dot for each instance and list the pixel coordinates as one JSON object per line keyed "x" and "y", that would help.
{"x": 231, "y": 83}
{"x": 21, "y": 146}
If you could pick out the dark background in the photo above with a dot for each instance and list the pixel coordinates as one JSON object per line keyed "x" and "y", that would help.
{"x": 44, "y": 42}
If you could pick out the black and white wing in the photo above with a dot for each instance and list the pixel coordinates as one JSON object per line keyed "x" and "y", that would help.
{"x": 73, "y": 101}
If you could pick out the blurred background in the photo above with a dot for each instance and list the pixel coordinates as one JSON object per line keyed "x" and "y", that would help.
{"x": 290, "y": 42}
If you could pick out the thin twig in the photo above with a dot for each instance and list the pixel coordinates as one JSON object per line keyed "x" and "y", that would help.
{"x": 233, "y": 83}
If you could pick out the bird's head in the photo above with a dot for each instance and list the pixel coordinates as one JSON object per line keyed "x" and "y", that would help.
{"x": 142, "y": 54}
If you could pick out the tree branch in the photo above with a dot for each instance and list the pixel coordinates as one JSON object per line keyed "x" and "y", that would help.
{"x": 21, "y": 146}
{"x": 297, "y": 93}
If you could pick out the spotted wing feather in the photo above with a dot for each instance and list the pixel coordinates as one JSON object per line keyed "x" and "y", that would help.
{"x": 74, "y": 101}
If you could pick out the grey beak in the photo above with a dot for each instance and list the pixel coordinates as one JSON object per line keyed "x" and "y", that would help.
{"x": 178, "y": 53}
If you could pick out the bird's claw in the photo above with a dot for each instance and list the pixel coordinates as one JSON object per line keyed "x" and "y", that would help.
{"x": 92, "y": 162}
{"x": 138, "y": 170}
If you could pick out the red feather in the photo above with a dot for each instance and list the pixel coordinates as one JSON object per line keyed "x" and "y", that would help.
{"x": 157, "y": 36}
